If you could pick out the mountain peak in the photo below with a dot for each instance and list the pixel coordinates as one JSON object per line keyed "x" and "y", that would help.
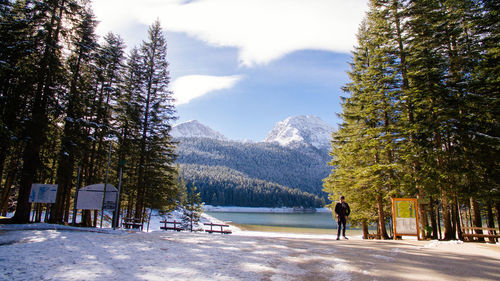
{"x": 194, "y": 129}
{"x": 302, "y": 129}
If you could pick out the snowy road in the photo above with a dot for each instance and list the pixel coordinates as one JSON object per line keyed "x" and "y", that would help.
{"x": 77, "y": 255}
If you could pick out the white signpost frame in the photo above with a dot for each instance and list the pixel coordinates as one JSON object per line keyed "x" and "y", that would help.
{"x": 90, "y": 197}
{"x": 43, "y": 193}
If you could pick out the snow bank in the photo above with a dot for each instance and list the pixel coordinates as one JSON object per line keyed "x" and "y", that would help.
{"x": 63, "y": 254}
{"x": 47, "y": 226}
{"x": 436, "y": 243}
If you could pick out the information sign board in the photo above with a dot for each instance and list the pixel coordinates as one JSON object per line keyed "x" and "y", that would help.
{"x": 90, "y": 197}
{"x": 43, "y": 193}
{"x": 405, "y": 216}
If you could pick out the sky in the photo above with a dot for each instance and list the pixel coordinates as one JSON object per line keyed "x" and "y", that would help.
{"x": 241, "y": 66}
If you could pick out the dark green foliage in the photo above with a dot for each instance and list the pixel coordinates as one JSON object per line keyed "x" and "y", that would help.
{"x": 419, "y": 119}
{"x": 65, "y": 100}
{"x": 193, "y": 207}
{"x": 265, "y": 161}
{"x": 224, "y": 186}
{"x": 156, "y": 148}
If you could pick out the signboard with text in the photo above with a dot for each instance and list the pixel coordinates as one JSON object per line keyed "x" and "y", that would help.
{"x": 90, "y": 197}
{"x": 405, "y": 216}
{"x": 43, "y": 193}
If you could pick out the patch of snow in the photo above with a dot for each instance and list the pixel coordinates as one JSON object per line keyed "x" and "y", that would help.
{"x": 396, "y": 251}
{"x": 384, "y": 258}
{"x": 342, "y": 270}
{"x": 299, "y": 130}
{"x": 194, "y": 129}
{"x": 436, "y": 243}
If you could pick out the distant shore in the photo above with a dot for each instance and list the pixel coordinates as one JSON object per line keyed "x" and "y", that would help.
{"x": 284, "y": 210}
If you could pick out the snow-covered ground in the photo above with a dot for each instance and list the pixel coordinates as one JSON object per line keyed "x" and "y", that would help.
{"x": 54, "y": 252}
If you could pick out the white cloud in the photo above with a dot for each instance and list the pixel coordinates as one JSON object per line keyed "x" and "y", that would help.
{"x": 187, "y": 88}
{"x": 262, "y": 30}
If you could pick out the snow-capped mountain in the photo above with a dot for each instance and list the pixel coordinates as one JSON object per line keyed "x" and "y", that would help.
{"x": 194, "y": 129}
{"x": 293, "y": 156}
{"x": 299, "y": 130}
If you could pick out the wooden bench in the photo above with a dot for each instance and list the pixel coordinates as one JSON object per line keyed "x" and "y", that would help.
{"x": 175, "y": 227}
{"x": 211, "y": 230}
{"x": 131, "y": 223}
{"x": 492, "y": 233}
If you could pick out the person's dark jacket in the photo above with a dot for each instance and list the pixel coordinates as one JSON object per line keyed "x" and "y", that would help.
{"x": 342, "y": 210}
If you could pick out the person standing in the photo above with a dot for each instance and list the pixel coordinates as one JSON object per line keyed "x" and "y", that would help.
{"x": 342, "y": 211}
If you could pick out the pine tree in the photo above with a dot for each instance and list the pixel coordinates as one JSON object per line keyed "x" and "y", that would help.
{"x": 128, "y": 112}
{"x": 155, "y": 167}
{"x": 16, "y": 81}
{"x": 49, "y": 27}
{"x": 193, "y": 208}
{"x": 84, "y": 45}
{"x": 365, "y": 147}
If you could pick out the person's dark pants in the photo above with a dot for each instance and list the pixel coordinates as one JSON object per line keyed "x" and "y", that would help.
{"x": 341, "y": 222}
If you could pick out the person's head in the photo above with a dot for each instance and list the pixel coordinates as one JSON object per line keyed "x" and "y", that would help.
{"x": 342, "y": 198}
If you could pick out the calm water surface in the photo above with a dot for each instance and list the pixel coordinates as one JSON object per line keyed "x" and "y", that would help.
{"x": 296, "y": 220}
{"x": 317, "y": 223}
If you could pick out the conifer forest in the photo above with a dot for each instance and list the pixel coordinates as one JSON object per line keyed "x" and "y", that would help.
{"x": 67, "y": 100}
{"x": 420, "y": 116}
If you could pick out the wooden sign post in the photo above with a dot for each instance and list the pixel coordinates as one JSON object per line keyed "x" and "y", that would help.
{"x": 405, "y": 217}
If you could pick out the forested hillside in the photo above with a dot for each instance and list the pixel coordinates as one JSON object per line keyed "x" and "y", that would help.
{"x": 302, "y": 167}
{"x": 223, "y": 186}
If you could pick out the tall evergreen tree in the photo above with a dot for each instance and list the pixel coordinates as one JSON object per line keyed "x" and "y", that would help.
{"x": 364, "y": 148}
{"x": 157, "y": 111}
{"x": 49, "y": 27}
{"x": 84, "y": 44}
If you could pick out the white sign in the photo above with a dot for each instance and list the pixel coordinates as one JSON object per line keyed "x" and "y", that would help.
{"x": 90, "y": 197}
{"x": 43, "y": 193}
{"x": 406, "y": 225}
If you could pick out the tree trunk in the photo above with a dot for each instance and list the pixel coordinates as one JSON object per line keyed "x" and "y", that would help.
{"x": 38, "y": 121}
{"x": 476, "y": 217}
{"x": 141, "y": 189}
{"x": 381, "y": 219}
{"x": 422, "y": 214}
{"x": 491, "y": 220}
{"x": 365, "y": 229}
{"x": 470, "y": 216}
{"x": 3, "y": 157}
{"x": 497, "y": 207}
{"x": 456, "y": 214}
{"x": 448, "y": 231}
{"x": 9, "y": 181}
{"x": 67, "y": 207}
{"x": 439, "y": 223}
{"x": 86, "y": 218}
{"x": 130, "y": 206}
{"x": 433, "y": 219}
{"x": 94, "y": 222}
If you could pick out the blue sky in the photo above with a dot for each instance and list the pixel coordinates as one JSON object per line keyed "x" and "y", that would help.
{"x": 240, "y": 66}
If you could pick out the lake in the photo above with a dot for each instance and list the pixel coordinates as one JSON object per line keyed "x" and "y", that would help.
{"x": 312, "y": 223}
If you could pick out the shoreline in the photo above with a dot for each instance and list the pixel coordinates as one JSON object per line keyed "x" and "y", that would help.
{"x": 282, "y": 210}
